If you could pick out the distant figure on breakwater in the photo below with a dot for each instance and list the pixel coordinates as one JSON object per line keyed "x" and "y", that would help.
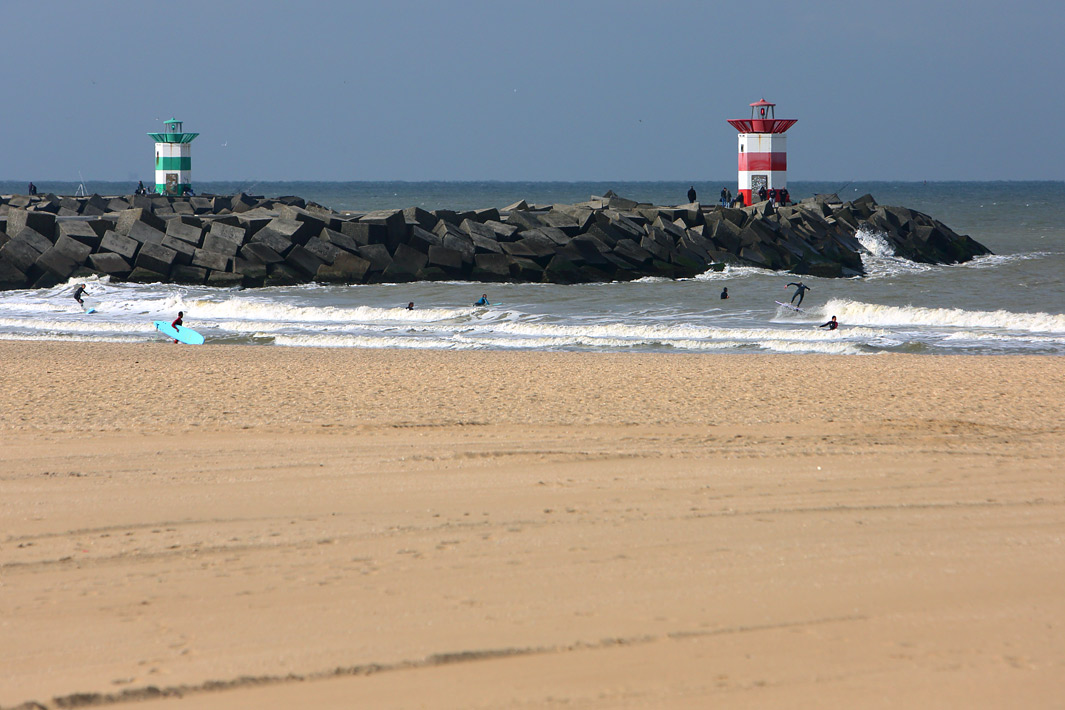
{"x": 691, "y": 194}
{"x": 724, "y": 197}
{"x": 761, "y": 193}
{"x": 140, "y": 188}
{"x": 483, "y": 301}
{"x": 32, "y": 189}
{"x": 724, "y": 293}
{"x": 831, "y": 325}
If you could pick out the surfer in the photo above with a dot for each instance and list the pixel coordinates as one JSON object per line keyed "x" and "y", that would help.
{"x": 483, "y": 301}
{"x": 78, "y": 290}
{"x": 177, "y": 321}
{"x": 724, "y": 293}
{"x": 800, "y": 291}
{"x": 410, "y": 306}
{"x": 831, "y": 325}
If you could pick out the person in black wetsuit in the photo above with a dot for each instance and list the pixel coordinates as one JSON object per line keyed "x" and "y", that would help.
{"x": 831, "y": 325}
{"x": 800, "y": 291}
{"x": 410, "y": 306}
{"x": 691, "y": 194}
{"x": 724, "y": 293}
{"x": 78, "y": 290}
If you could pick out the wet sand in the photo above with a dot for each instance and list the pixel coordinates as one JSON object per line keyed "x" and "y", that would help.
{"x": 271, "y": 527}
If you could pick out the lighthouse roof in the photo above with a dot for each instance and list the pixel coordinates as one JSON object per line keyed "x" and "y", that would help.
{"x": 762, "y": 102}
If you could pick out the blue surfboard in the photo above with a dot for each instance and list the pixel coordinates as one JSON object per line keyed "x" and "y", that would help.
{"x": 181, "y": 334}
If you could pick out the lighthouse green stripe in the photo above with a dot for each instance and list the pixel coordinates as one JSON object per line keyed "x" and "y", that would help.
{"x": 179, "y": 189}
{"x": 173, "y": 164}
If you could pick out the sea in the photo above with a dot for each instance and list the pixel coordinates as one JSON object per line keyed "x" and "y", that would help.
{"x": 1008, "y": 303}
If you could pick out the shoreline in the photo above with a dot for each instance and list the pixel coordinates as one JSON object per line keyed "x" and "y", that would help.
{"x": 507, "y": 529}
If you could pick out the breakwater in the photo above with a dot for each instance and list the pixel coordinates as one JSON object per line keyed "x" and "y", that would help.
{"x": 240, "y": 240}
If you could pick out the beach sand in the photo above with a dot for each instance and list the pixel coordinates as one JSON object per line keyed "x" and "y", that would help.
{"x": 255, "y": 527}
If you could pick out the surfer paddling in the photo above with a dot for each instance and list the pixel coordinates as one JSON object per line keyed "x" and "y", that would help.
{"x": 483, "y": 301}
{"x": 831, "y": 325}
{"x": 800, "y": 291}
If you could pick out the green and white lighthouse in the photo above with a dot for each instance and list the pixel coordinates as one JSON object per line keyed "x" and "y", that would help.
{"x": 173, "y": 159}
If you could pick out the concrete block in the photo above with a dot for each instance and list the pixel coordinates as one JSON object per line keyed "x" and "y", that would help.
{"x": 405, "y": 265}
{"x": 633, "y": 253}
{"x": 260, "y": 253}
{"x": 224, "y": 279}
{"x": 141, "y": 202}
{"x": 303, "y": 261}
{"x": 34, "y": 238}
{"x": 40, "y": 222}
{"x": 146, "y": 276}
{"x": 503, "y": 232}
{"x": 294, "y": 231}
{"x": 21, "y": 254}
{"x": 524, "y": 220}
{"x": 73, "y": 249}
{"x": 110, "y": 263}
{"x": 346, "y": 268}
{"x": 188, "y": 233}
{"x": 527, "y": 270}
{"x": 273, "y": 239}
{"x": 478, "y": 229}
{"x": 421, "y": 240}
{"x": 183, "y": 250}
{"x": 128, "y": 218}
{"x": 418, "y": 216}
{"x": 323, "y": 250}
{"x": 339, "y": 240}
{"x": 219, "y": 232}
{"x": 212, "y": 242}
{"x": 365, "y": 232}
{"x": 144, "y": 233}
{"x": 491, "y": 267}
{"x": 11, "y": 277}
{"x": 156, "y": 258}
{"x": 447, "y": 259}
{"x": 184, "y": 274}
{"x": 78, "y": 229}
{"x": 117, "y": 204}
{"x": 312, "y": 224}
{"x": 182, "y": 207}
{"x": 123, "y": 246}
{"x": 461, "y": 243}
{"x": 377, "y": 255}
{"x": 213, "y": 260}
{"x": 56, "y": 262}
{"x": 394, "y": 223}
{"x": 202, "y": 205}
{"x": 282, "y": 275}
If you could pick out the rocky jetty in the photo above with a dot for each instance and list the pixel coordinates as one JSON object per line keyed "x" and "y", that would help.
{"x": 248, "y": 241}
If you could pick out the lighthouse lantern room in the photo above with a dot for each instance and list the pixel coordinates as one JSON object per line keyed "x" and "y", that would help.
{"x": 763, "y": 152}
{"x": 173, "y": 159}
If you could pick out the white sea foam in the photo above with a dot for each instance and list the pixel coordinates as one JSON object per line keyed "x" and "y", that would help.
{"x": 877, "y": 315}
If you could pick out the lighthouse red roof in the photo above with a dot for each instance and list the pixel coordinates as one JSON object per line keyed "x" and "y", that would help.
{"x": 762, "y": 120}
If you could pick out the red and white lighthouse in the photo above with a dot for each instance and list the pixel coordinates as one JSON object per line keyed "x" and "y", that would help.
{"x": 763, "y": 156}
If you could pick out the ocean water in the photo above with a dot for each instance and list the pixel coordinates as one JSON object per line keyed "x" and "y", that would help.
{"x": 1010, "y": 303}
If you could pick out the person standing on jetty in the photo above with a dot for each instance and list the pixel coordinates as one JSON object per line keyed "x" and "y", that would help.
{"x": 32, "y": 189}
{"x": 724, "y": 197}
{"x": 691, "y": 194}
{"x": 483, "y": 301}
{"x": 800, "y": 292}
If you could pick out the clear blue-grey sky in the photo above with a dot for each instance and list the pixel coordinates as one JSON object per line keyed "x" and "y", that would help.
{"x": 497, "y": 90}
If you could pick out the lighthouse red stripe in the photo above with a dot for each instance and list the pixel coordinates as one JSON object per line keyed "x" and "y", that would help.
{"x": 763, "y": 161}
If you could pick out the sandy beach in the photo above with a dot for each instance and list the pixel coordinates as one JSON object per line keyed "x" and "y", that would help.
{"x": 250, "y": 527}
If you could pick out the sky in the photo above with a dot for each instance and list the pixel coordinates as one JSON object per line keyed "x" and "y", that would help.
{"x": 569, "y": 91}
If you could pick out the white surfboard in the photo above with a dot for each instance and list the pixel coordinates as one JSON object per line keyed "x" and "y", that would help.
{"x": 788, "y": 305}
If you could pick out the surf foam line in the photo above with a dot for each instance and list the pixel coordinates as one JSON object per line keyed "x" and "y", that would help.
{"x": 872, "y": 314}
{"x": 661, "y": 333}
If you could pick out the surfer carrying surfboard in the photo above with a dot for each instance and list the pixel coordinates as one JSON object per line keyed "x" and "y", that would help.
{"x": 800, "y": 291}
{"x": 177, "y": 321}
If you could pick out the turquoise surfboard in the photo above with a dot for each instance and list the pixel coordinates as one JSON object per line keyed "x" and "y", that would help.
{"x": 181, "y": 334}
